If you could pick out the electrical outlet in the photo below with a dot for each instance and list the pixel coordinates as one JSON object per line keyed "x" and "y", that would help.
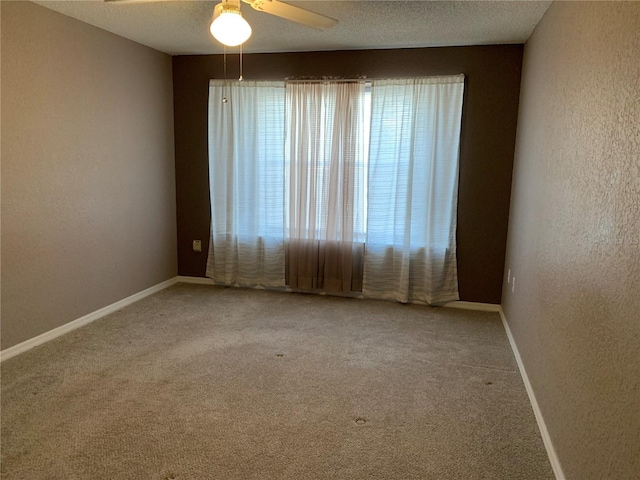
{"x": 513, "y": 285}
{"x": 197, "y": 245}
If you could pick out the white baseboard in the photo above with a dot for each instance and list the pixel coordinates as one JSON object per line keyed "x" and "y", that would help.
{"x": 82, "y": 321}
{"x": 196, "y": 280}
{"x": 548, "y": 444}
{"x": 482, "y": 307}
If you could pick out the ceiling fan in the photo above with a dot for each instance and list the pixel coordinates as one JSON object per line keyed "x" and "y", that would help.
{"x": 240, "y": 29}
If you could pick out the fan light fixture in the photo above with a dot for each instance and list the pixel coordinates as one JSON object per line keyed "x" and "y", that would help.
{"x": 228, "y": 26}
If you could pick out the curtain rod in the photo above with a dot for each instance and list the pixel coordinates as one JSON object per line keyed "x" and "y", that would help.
{"x": 365, "y": 79}
{"x": 461, "y": 77}
{"x": 332, "y": 80}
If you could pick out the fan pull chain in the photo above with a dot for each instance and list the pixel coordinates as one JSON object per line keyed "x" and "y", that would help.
{"x": 224, "y": 74}
{"x": 241, "y": 79}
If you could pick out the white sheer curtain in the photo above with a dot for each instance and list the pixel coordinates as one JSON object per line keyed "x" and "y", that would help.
{"x": 413, "y": 186}
{"x": 325, "y": 174}
{"x": 246, "y": 179}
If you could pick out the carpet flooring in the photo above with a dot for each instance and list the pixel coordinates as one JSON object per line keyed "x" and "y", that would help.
{"x": 201, "y": 382}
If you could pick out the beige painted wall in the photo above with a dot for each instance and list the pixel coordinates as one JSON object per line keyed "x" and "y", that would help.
{"x": 88, "y": 176}
{"x": 574, "y": 235}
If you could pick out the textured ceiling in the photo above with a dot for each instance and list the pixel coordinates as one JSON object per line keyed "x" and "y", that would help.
{"x": 182, "y": 27}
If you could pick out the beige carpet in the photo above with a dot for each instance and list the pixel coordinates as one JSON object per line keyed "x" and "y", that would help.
{"x": 199, "y": 382}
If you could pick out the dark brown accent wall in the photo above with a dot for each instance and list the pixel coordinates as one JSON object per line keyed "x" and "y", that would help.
{"x": 489, "y": 120}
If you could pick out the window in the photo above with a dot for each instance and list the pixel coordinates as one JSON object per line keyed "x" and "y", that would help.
{"x": 338, "y": 162}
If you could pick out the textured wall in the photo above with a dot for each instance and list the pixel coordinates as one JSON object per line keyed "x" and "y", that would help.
{"x": 88, "y": 179}
{"x": 490, "y": 112}
{"x": 574, "y": 234}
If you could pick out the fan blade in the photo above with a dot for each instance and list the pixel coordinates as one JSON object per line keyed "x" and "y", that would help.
{"x": 295, "y": 14}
